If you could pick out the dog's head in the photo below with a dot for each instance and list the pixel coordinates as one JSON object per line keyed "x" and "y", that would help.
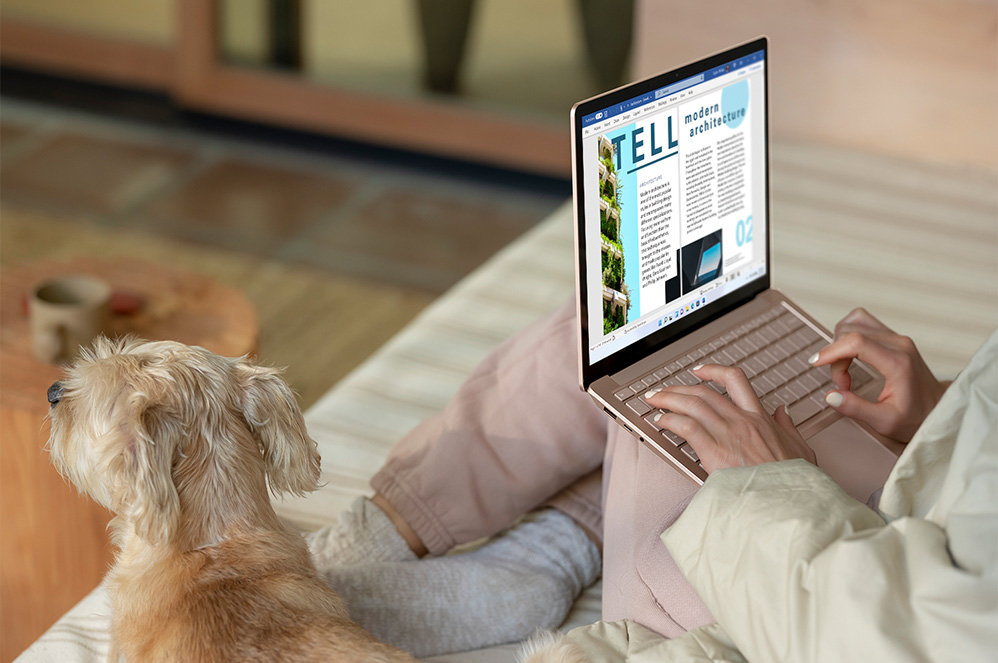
{"x": 163, "y": 433}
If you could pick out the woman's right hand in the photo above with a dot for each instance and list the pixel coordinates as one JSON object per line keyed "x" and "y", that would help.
{"x": 910, "y": 390}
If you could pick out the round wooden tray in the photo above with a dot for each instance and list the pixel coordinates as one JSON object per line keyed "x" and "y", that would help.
{"x": 177, "y": 305}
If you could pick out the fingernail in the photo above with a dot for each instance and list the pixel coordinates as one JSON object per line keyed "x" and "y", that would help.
{"x": 657, "y": 417}
{"x": 813, "y": 358}
{"x": 786, "y": 410}
{"x": 697, "y": 367}
{"x": 652, "y": 392}
{"x": 834, "y": 398}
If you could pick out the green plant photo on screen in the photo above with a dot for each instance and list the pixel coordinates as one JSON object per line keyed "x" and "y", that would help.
{"x": 616, "y": 299}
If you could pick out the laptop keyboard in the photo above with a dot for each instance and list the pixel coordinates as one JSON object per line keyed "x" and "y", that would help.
{"x": 772, "y": 349}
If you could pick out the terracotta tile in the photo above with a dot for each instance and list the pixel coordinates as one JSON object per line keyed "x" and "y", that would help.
{"x": 245, "y": 206}
{"x": 90, "y": 174}
{"x": 420, "y": 239}
{"x": 10, "y": 134}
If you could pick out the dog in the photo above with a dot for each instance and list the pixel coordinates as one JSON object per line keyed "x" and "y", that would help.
{"x": 181, "y": 444}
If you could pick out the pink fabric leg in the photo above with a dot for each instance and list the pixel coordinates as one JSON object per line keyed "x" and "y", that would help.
{"x": 643, "y": 495}
{"x": 520, "y": 434}
{"x": 517, "y": 432}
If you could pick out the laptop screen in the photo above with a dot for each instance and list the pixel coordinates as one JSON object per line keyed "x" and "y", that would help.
{"x": 671, "y": 187}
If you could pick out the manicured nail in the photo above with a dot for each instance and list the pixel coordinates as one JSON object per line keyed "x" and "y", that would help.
{"x": 786, "y": 410}
{"x": 657, "y": 417}
{"x": 652, "y": 392}
{"x": 813, "y": 358}
{"x": 834, "y": 398}
{"x": 697, "y": 367}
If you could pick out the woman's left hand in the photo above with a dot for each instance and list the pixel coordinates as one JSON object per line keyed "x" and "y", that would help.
{"x": 728, "y": 433}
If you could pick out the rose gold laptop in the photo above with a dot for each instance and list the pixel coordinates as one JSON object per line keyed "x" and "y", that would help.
{"x": 673, "y": 238}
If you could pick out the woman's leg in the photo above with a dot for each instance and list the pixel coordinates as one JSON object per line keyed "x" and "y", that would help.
{"x": 519, "y": 434}
{"x": 516, "y": 433}
{"x": 644, "y": 494}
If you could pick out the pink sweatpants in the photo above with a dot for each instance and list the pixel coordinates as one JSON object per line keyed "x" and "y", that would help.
{"x": 520, "y": 434}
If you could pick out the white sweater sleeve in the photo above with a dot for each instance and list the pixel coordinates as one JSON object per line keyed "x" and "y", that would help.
{"x": 796, "y": 570}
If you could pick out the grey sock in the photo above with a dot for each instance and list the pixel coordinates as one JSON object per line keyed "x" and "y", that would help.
{"x": 522, "y": 580}
{"x": 362, "y": 534}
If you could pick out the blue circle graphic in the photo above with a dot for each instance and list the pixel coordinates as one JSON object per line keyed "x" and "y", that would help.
{"x": 734, "y": 103}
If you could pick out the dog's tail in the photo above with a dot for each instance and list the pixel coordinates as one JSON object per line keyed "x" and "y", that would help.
{"x": 548, "y": 647}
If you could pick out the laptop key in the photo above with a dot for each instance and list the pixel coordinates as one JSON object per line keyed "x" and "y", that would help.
{"x": 661, "y": 374}
{"x": 639, "y": 405}
{"x": 803, "y": 410}
{"x": 690, "y": 453}
{"x": 786, "y": 395}
{"x": 736, "y": 352}
{"x": 797, "y": 365}
{"x": 769, "y": 334}
{"x": 650, "y": 418}
{"x": 798, "y": 389}
{"x": 785, "y": 373}
{"x": 793, "y": 321}
{"x": 770, "y": 403}
{"x": 687, "y": 378}
{"x": 780, "y": 350}
{"x": 756, "y": 364}
{"x": 673, "y": 438}
{"x": 624, "y": 394}
{"x": 810, "y": 380}
{"x": 859, "y": 376}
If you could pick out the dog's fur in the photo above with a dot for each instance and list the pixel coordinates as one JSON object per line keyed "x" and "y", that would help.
{"x": 181, "y": 444}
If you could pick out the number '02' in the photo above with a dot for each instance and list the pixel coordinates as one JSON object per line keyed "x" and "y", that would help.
{"x": 743, "y": 232}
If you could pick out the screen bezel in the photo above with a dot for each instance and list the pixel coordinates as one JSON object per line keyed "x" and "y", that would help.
{"x": 654, "y": 341}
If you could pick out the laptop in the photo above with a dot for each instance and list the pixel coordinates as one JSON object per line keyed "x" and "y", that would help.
{"x": 673, "y": 240}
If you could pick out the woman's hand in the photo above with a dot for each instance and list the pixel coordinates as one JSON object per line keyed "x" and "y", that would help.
{"x": 728, "y": 433}
{"x": 910, "y": 391}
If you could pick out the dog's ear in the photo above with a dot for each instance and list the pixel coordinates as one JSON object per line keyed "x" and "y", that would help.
{"x": 148, "y": 494}
{"x": 270, "y": 408}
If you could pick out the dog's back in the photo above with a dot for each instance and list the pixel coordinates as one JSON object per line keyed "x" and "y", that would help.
{"x": 248, "y": 598}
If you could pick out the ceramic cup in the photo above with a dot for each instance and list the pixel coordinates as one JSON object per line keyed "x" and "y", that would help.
{"x": 66, "y": 313}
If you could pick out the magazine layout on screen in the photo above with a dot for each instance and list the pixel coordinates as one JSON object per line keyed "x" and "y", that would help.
{"x": 675, "y": 199}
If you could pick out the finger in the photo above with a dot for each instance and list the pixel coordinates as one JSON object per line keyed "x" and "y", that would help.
{"x": 785, "y": 421}
{"x": 854, "y": 345}
{"x": 735, "y": 381}
{"x": 860, "y": 317}
{"x": 856, "y": 407}
{"x": 695, "y": 407}
{"x": 721, "y": 404}
{"x": 690, "y": 430}
{"x": 839, "y": 371}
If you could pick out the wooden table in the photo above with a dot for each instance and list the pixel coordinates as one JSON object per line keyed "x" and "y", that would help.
{"x": 53, "y": 545}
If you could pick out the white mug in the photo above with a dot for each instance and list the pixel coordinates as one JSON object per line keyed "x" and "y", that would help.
{"x": 66, "y": 313}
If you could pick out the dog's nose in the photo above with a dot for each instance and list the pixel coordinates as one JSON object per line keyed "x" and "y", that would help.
{"x": 55, "y": 393}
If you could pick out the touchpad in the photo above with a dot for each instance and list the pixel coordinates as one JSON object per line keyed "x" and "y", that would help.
{"x": 853, "y": 457}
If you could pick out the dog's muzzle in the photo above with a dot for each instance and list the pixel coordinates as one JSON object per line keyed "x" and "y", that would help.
{"x": 55, "y": 393}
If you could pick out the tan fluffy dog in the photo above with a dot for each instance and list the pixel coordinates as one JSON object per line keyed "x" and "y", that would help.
{"x": 181, "y": 444}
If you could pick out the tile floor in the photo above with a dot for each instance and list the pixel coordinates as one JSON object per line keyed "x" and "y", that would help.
{"x": 394, "y": 224}
{"x": 304, "y": 234}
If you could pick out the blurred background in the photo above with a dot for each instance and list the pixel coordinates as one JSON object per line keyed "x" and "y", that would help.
{"x": 333, "y": 167}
